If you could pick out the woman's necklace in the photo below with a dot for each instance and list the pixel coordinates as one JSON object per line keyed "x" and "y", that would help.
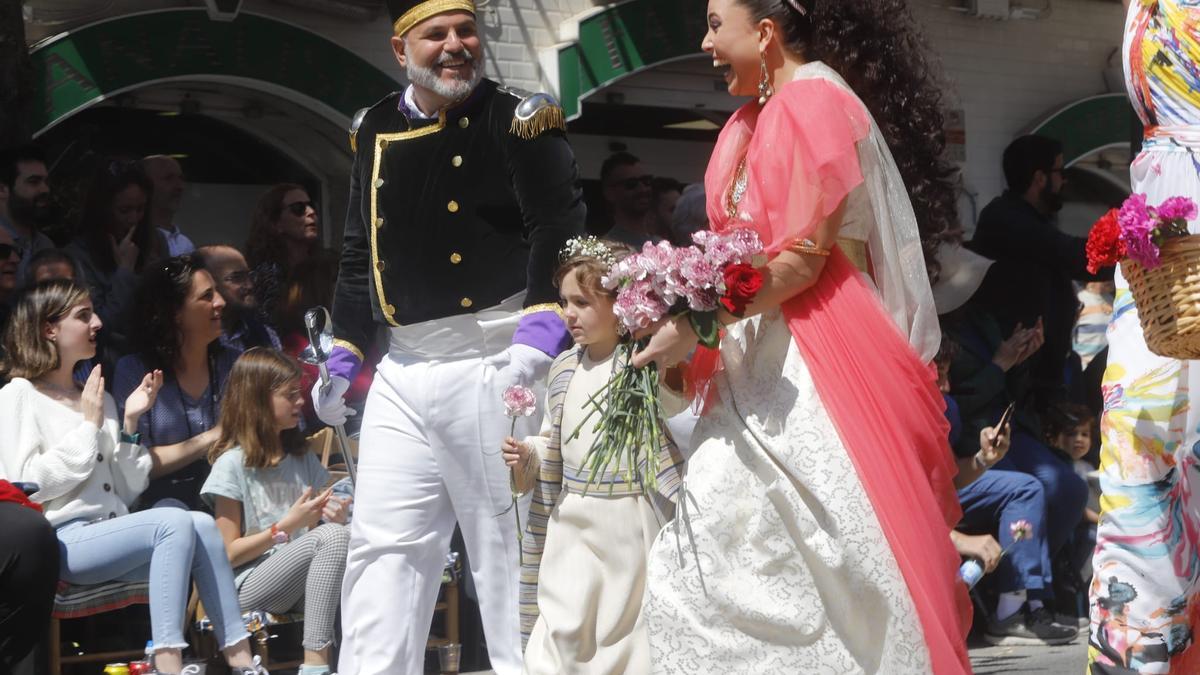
{"x": 737, "y": 190}
{"x": 71, "y": 393}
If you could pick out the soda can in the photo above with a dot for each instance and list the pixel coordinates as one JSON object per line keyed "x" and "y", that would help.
{"x": 970, "y": 572}
{"x": 140, "y": 668}
{"x": 116, "y": 669}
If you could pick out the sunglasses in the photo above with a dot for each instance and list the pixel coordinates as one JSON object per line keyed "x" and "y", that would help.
{"x": 298, "y": 209}
{"x": 8, "y": 250}
{"x": 635, "y": 182}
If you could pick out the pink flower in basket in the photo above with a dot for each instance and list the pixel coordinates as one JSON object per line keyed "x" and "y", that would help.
{"x": 1177, "y": 208}
{"x": 1138, "y": 223}
{"x": 519, "y": 401}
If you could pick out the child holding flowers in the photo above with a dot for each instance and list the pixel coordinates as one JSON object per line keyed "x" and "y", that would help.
{"x": 588, "y": 535}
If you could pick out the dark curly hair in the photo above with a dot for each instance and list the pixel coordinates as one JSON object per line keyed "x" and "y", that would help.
{"x": 161, "y": 293}
{"x": 876, "y": 46}
{"x": 95, "y": 225}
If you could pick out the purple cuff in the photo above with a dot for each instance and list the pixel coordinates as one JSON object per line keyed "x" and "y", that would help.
{"x": 343, "y": 363}
{"x": 544, "y": 331}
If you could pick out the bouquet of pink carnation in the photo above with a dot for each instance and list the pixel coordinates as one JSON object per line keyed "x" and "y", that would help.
{"x": 664, "y": 280}
{"x": 659, "y": 282}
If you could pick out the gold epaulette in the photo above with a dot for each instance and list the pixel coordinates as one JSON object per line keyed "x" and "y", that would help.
{"x": 535, "y": 115}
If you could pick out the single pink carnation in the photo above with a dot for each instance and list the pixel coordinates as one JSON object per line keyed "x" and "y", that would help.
{"x": 519, "y": 401}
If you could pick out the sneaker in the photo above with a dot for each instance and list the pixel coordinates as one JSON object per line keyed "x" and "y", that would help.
{"x": 1029, "y": 628}
{"x": 256, "y": 669}
{"x": 1072, "y": 620}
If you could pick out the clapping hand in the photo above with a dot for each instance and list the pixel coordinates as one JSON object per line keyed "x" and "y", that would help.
{"x": 91, "y": 401}
{"x": 141, "y": 399}
{"x": 1022, "y": 344}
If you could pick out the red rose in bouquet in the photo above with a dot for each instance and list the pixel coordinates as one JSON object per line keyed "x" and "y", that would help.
{"x": 742, "y": 283}
{"x": 1104, "y": 245}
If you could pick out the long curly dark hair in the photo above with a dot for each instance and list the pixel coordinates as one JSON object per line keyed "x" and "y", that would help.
{"x": 161, "y": 293}
{"x": 95, "y": 225}
{"x": 876, "y": 46}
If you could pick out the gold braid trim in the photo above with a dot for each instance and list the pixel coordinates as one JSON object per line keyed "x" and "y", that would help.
{"x": 544, "y": 307}
{"x": 427, "y": 9}
{"x": 541, "y": 121}
{"x": 353, "y": 350}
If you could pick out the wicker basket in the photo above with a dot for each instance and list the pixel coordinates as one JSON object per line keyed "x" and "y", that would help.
{"x": 1168, "y": 298}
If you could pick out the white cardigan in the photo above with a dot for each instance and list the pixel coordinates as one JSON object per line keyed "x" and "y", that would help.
{"x": 82, "y": 470}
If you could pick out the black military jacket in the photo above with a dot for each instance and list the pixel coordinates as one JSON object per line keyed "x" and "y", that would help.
{"x": 453, "y": 215}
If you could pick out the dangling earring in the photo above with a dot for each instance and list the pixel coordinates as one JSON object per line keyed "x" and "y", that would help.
{"x": 765, "y": 90}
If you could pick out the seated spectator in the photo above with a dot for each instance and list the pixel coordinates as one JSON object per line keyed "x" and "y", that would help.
{"x": 115, "y": 244}
{"x": 10, "y": 263}
{"x": 28, "y": 579}
{"x": 178, "y": 330}
{"x": 1068, "y": 428}
{"x": 283, "y": 234}
{"x": 166, "y": 175}
{"x": 1091, "y": 326}
{"x": 240, "y": 322}
{"x": 1020, "y": 229}
{"x": 312, "y": 286}
{"x": 89, "y": 466}
{"x": 26, "y": 209}
{"x": 664, "y": 195}
{"x": 628, "y": 195}
{"x": 284, "y": 531}
{"x": 50, "y": 263}
{"x": 690, "y": 216}
{"x": 989, "y": 372}
{"x": 992, "y": 500}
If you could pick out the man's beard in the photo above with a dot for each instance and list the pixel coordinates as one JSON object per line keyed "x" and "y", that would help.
{"x": 1051, "y": 201}
{"x": 456, "y": 90}
{"x": 37, "y": 211}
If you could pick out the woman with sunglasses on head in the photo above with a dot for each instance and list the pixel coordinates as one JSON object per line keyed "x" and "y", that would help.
{"x": 179, "y": 328}
{"x": 819, "y": 500}
{"x": 89, "y": 465}
{"x": 284, "y": 233}
{"x": 114, "y": 244}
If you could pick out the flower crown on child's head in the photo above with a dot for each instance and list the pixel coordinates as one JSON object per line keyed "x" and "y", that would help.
{"x": 590, "y": 247}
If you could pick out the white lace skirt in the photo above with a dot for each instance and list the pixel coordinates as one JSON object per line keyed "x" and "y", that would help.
{"x": 778, "y": 563}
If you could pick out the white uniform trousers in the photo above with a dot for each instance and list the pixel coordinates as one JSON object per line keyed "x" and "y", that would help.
{"x": 429, "y": 455}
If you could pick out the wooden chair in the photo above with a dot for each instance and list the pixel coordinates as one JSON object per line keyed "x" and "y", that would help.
{"x": 78, "y": 602}
{"x": 324, "y": 443}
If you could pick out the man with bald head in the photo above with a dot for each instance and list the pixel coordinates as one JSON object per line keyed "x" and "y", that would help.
{"x": 242, "y": 327}
{"x": 167, "y": 177}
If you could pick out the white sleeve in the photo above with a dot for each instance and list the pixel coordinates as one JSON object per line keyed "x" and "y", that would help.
{"x": 131, "y": 462}
{"x": 57, "y": 465}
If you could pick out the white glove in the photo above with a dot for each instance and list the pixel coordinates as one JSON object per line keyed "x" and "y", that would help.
{"x": 520, "y": 364}
{"x": 331, "y": 406}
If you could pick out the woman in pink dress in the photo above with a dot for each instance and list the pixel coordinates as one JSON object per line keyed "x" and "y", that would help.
{"x": 814, "y": 535}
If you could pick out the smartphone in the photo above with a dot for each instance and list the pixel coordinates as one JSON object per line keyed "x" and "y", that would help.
{"x": 28, "y": 488}
{"x": 1005, "y": 418}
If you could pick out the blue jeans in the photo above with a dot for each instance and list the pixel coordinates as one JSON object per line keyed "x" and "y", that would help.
{"x": 168, "y": 547}
{"x": 990, "y": 505}
{"x": 1066, "y": 492}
